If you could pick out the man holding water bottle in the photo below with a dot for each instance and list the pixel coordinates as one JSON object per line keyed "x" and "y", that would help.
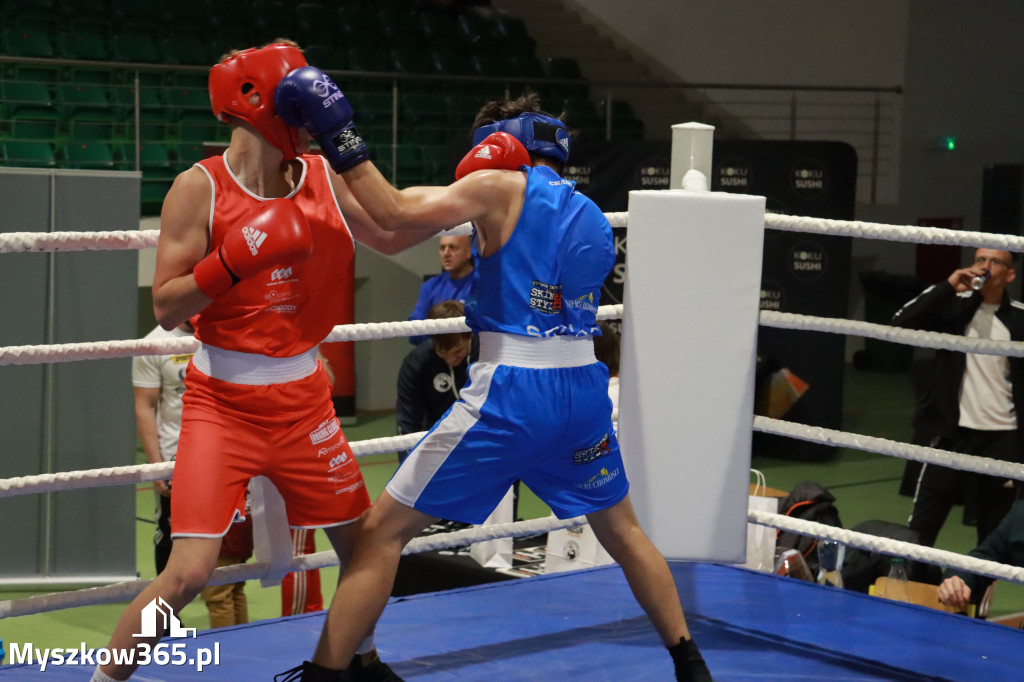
{"x": 973, "y": 402}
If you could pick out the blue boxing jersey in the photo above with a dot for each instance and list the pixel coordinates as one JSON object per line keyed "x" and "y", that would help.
{"x": 546, "y": 280}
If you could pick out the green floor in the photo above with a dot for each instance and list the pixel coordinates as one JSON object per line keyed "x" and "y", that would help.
{"x": 866, "y": 487}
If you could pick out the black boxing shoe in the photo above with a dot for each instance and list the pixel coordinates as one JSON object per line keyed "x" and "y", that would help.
{"x": 689, "y": 664}
{"x": 369, "y": 668}
{"x": 311, "y": 672}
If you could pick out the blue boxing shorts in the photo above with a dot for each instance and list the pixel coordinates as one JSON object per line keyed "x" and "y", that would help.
{"x": 529, "y": 417}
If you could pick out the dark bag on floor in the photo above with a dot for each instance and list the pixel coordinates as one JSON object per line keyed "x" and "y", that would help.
{"x": 812, "y": 502}
{"x": 862, "y": 568}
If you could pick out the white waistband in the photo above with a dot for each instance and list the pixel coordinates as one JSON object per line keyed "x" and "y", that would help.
{"x": 535, "y": 352}
{"x": 252, "y": 368}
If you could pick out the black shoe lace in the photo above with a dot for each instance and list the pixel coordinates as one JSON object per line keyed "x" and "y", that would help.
{"x": 293, "y": 675}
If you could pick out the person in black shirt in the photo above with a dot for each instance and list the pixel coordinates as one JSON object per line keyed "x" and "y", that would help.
{"x": 432, "y": 375}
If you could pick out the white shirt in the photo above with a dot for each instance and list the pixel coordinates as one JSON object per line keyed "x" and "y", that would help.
{"x": 986, "y": 395}
{"x": 166, "y": 372}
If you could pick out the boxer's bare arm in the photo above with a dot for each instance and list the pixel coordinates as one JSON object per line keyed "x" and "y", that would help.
{"x": 491, "y": 199}
{"x": 366, "y": 231}
{"x": 184, "y": 241}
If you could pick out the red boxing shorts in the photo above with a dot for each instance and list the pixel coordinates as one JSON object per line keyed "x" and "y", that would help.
{"x": 287, "y": 432}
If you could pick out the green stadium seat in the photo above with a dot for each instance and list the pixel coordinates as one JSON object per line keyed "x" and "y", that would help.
{"x": 196, "y": 126}
{"x": 82, "y": 45}
{"x": 152, "y": 194}
{"x": 185, "y": 48}
{"x": 27, "y": 42}
{"x": 270, "y": 19}
{"x": 439, "y": 28}
{"x": 567, "y": 69}
{"x": 316, "y": 24}
{"x": 134, "y": 47}
{"x": 189, "y": 99}
{"x": 186, "y": 154}
{"x": 28, "y": 99}
{"x": 88, "y": 154}
{"x": 95, "y": 75}
{"x": 33, "y": 129}
{"x": 409, "y": 166}
{"x": 33, "y": 154}
{"x": 326, "y": 57}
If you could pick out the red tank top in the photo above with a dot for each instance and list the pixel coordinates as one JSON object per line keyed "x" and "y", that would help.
{"x": 283, "y": 311}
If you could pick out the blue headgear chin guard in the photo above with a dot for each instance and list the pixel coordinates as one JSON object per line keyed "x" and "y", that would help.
{"x": 541, "y": 135}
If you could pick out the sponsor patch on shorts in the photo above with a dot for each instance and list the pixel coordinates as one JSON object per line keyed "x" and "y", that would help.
{"x": 588, "y": 455}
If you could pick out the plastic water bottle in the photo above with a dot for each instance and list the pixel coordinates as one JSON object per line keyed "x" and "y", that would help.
{"x": 896, "y": 586}
{"x": 978, "y": 281}
{"x": 830, "y": 563}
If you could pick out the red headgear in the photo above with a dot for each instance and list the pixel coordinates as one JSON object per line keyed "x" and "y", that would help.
{"x": 256, "y": 70}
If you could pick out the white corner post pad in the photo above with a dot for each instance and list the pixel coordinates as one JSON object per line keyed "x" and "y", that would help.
{"x": 271, "y": 536}
{"x": 691, "y": 150}
{"x": 690, "y": 319}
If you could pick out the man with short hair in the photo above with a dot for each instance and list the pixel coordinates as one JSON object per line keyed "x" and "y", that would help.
{"x": 975, "y": 402}
{"x": 451, "y": 285}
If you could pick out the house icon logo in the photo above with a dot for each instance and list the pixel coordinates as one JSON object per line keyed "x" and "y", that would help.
{"x": 158, "y": 618}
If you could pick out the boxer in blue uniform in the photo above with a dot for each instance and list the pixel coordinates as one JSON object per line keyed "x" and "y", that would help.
{"x": 536, "y": 406}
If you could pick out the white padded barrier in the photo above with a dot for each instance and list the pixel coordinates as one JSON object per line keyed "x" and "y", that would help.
{"x": 687, "y": 381}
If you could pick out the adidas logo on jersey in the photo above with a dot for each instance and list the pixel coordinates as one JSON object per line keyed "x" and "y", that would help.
{"x": 484, "y": 153}
{"x": 254, "y": 238}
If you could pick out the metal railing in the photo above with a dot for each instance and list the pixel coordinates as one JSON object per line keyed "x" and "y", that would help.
{"x": 868, "y": 118}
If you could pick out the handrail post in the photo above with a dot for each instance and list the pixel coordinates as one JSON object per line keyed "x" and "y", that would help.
{"x": 875, "y": 142}
{"x": 608, "y": 115}
{"x": 792, "y": 116}
{"x": 394, "y": 132}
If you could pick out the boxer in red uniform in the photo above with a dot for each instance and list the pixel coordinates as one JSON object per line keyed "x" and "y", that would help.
{"x": 253, "y": 248}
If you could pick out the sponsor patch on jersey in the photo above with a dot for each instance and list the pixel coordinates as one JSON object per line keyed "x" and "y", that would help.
{"x": 181, "y": 359}
{"x": 546, "y": 298}
{"x": 325, "y": 431}
{"x": 584, "y": 302}
{"x": 588, "y": 455}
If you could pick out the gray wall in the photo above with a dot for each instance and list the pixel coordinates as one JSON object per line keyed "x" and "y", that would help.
{"x": 72, "y": 415}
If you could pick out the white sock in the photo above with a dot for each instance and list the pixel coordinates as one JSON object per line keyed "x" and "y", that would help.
{"x": 100, "y": 676}
{"x": 365, "y": 647}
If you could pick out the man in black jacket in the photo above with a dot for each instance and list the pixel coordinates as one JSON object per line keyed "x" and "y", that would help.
{"x": 432, "y": 375}
{"x": 974, "y": 400}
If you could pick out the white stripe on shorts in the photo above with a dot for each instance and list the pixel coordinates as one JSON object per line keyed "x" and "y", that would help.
{"x": 431, "y": 453}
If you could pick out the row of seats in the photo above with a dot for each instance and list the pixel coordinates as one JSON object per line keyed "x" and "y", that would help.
{"x": 84, "y": 109}
{"x": 502, "y": 44}
{"x": 159, "y": 163}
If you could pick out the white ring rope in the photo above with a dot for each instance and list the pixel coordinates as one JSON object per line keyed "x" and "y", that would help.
{"x": 99, "y": 350}
{"x": 126, "y": 591}
{"x": 883, "y": 446}
{"x": 140, "y": 473}
{"x": 874, "y": 543}
{"x": 117, "y": 240}
{"x": 894, "y": 233}
{"x": 22, "y": 242}
{"x": 937, "y": 340}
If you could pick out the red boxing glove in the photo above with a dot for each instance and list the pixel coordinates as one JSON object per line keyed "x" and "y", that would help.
{"x": 275, "y": 233}
{"x": 497, "y": 150}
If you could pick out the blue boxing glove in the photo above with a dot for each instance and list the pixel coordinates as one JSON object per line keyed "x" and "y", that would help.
{"x": 308, "y": 98}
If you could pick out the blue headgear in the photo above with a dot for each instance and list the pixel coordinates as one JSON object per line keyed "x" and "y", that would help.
{"x": 541, "y": 135}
